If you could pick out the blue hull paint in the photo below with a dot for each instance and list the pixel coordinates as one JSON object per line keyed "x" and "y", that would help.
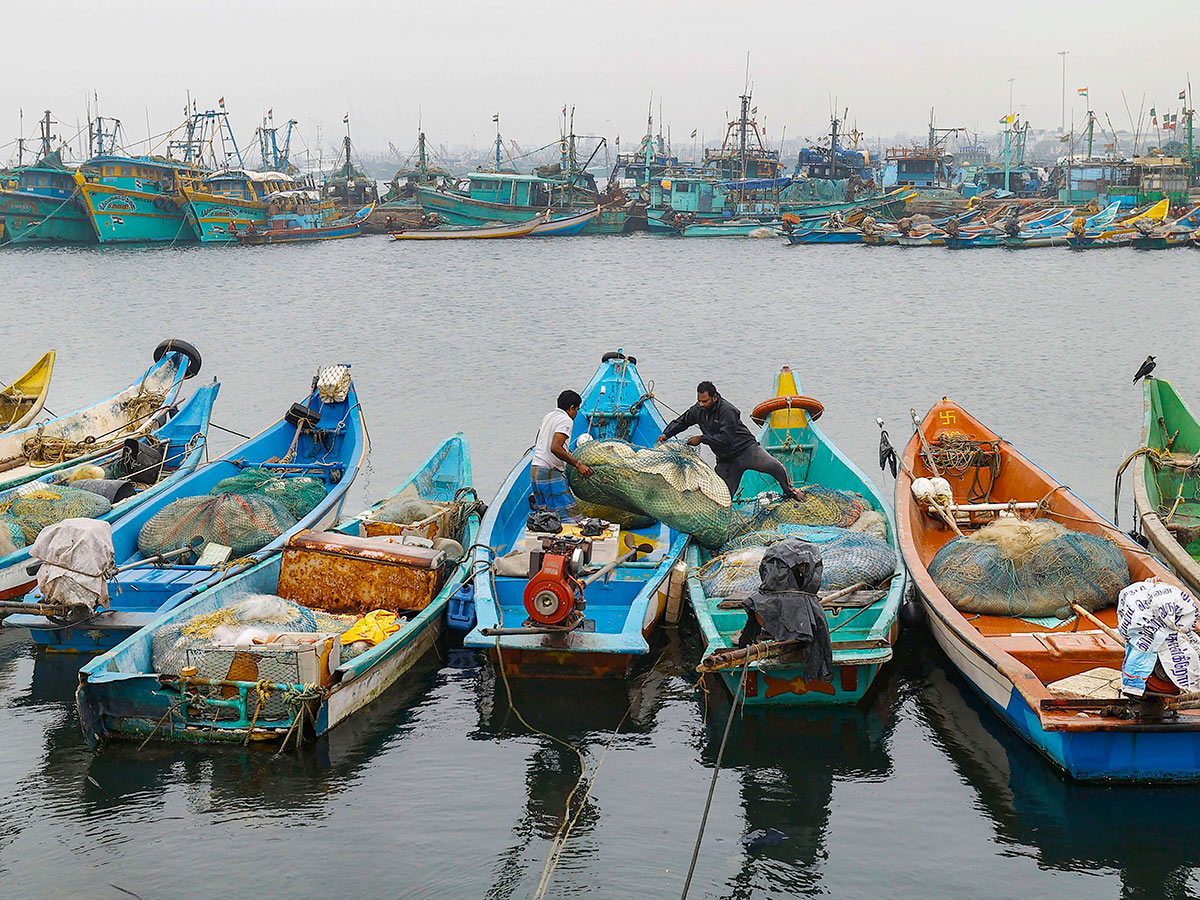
{"x": 36, "y": 219}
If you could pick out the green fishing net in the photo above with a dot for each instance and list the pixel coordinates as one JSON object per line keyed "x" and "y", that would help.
{"x": 35, "y": 510}
{"x": 1034, "y": 569}
{"x": 299, "y": 493}
{"x": 820, "y": 506}
{"x": 243, "y": 522}
{"x": 668, "y": 482}
{"x": 12, "y": 537}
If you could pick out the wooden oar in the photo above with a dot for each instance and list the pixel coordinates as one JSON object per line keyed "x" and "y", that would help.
{"x": 937, "y": 507}
{"x": 1079, "y": 610}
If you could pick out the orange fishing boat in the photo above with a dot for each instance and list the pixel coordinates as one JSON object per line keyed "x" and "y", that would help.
{"x": 1018, "y": 663}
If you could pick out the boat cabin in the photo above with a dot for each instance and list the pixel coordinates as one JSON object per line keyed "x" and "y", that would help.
{"x": 240, "y": 184}
{"x": 919, "y": 167}
{"x": 510, "y": 189}
{"x": 151, "y": 175}
{"x": 1023, "y": 181}
{"x": 46, "y": 182}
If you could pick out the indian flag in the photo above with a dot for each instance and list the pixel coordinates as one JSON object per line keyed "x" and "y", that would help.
{"x": 694, "y": 131}
{"x": 346, "y": 118}
{"x": 1083, "y": 92}
{"x": 1183, "y": 95}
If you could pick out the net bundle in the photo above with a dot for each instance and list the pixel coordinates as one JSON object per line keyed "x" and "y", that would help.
{"x": 820, "y": 506}
{"x": 299, "y": 493}
{"x": 670, "y": 483}
{"x": 1036, "y": 569}
{"x": 847, "y": 557}
{"x": 243, "y": 522}
{"x": 257, "y": 615}
{"x": 32, "y": 511}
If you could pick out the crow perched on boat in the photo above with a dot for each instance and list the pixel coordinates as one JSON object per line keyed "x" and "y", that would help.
{"x": 1145, "y": 370}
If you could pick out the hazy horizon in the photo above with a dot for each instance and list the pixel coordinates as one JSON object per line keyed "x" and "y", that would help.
{"x": 452, "y": 67}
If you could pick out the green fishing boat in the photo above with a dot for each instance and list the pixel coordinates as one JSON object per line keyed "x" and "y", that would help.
{"x": 863, "y": 578}
{"x": 1166, "y": 484}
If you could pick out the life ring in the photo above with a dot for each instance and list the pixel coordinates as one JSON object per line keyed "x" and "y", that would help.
{"x": 613, "y": 354}
{"x": 174, "y": 345}
{"x": 810, "y": 405}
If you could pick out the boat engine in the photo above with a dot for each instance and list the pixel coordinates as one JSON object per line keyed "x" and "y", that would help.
{"x": 554, "y": 592}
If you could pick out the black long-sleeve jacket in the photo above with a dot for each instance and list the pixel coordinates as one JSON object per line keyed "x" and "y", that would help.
{"x": 720, "y": 425}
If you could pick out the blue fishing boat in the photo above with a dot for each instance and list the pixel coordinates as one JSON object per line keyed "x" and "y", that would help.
{"x": 566, "y": 225}
{"x": 863, "y": 623}
{"x": 134, "y": 199}
{"x": 43, "y": 207}
{"x": 78, "y": 436}
{"x": 622, "y": 609}
{"x": 303, "y": 225}
{"x": 135, "y": 475}
{"x": 133, "y": 691}
{"x": 232, "y": 200}
{"x": 320, "y": 441}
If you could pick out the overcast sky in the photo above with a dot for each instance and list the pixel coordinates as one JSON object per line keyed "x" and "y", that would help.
{"x": 454, "y": 64}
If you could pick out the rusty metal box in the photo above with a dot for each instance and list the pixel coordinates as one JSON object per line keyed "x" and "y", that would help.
{"x": 341, "y": 574}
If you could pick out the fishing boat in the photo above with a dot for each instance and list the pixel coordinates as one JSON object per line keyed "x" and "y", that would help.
{"x": 232, "y": 200}
{"x": 22, "y": 400}
{"x": 28, "y": 452}
{"x": 517, "y": 229}
{"x": 1166, "y": 483}
{"x": 133, "y": 474}
{"x": 124, "y": 694}
{"x": 624, "y": 604}
{"x": 300, "y": 227}
{"x": 320, "y": 440}
{"x": 1015, "y": 663}
{"x": 133, "y": 199}
{"x": 565, "y": 225}
{"x": 1177, "y": 233}
{"x": 863, "y": 624}
{"x": 43, "y": 206}
{"x": 740, "y": 227}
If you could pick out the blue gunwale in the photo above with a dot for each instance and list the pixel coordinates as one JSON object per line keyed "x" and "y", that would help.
{"x": 855, "y": 667}
{"x": 120, "y": 695}
{"x": 626, "y": 607}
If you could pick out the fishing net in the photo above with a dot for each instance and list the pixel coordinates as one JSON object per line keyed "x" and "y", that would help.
{"x": 621, "y": 517}
{"x": 405, "y": 510}
{"x": 33, "y": 511}
{"x": 243, "y": 522}
{"x": 669, "y": 483}
{"x": 820, "y": 506}
{"x": 848, "y": 558}
{"x": 12, "y": 537}
{"x": 299, "y": 493}
{"x": 1038, "y": 568}
{"x": 256, "y": 616}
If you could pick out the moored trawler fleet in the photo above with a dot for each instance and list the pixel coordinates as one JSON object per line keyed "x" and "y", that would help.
{"x": 834, "y": 193}
{"x": 233, "y": 599}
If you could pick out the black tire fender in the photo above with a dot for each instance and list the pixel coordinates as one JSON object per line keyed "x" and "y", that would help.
{"x": 613, "y": 354}
{"x": 175, "y": 345}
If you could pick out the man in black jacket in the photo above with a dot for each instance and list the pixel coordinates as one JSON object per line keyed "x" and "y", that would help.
{"x": 736, "y": 448}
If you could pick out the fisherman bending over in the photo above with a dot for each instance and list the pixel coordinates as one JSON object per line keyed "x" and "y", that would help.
{"x": 551, "y": 458}
{"x": 736, "y": 448}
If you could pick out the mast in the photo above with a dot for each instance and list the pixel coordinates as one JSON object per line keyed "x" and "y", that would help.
{"x": 1091, "y": 131}
{"x": 45, "y": 123}
{"x": 421, "y": 164}
{"x": 499, "y": 146}
{"x": 1007, "y": 148}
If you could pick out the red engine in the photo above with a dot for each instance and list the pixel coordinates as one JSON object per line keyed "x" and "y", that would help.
{"x": 553, "y": 592}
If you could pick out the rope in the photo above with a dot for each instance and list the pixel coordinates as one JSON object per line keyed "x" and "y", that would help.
{"x": 712, "y": 785}
{"x": 46, "y": 219}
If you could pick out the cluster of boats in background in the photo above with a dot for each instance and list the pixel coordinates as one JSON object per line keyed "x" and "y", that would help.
{"x": 201, "y": 188}
{"x": 229, "y": 600}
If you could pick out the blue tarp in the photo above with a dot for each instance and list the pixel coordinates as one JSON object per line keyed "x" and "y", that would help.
{"x": 756, "y": 184}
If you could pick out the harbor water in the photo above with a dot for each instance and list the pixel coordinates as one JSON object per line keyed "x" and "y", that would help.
{"x": 439, "y": 790}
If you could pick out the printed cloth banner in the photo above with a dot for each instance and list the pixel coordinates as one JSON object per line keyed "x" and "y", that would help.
{"x": 1158, "y": 624}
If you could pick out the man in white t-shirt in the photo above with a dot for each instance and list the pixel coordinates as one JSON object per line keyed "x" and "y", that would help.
{"x": 551, "y": 458}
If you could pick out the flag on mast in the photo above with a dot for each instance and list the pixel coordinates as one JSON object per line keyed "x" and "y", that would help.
{"x": 1083, "y": 92}
{"x": 221, "y": 103}
{"x": 694, "y": 131}
{"x": 1183, "y": 95}
{"x": 496, "y": 117}
{"x": 346, "y": 119}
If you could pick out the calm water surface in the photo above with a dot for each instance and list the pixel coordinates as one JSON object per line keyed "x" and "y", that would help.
{"x": 438, "y": 791}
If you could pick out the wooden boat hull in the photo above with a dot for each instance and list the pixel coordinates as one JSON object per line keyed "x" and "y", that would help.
{"x": 216, "y": 219}
{"x": 30, "y": 218}
{"x": 22, "y": 400}
{"x": 186, "y": 436}
{"x": 137, "y": 597}
{"x": 1166, "y": 493}
{"x": 120, "y": 697}
{"x": 823, "y": 236}
{"x": 732, "y": 229}
{"x": 129, "y": 413}
{"x": 626, "y": 607}
{"x": 484, "y": 232}
{"x": 566, "y": 225}
{"x": 1010, "y": 661}
{"x": 858, "y": 651}
{"x": 459, "y": 209}
{"x": 121, "y": 216}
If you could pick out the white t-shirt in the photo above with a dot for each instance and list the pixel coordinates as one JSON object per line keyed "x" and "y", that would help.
{"x": 556, "y": 422}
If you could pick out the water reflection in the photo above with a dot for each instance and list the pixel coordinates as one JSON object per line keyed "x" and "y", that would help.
{"x": 1150, "y": 834}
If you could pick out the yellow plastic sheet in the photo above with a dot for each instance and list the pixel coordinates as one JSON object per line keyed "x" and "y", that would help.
{"x": 374, "y": 627}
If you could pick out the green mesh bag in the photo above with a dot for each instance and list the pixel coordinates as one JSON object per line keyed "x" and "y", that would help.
{"x": 243, "y": 522}
{"x": 847, "y": 557}
{"x": 34, "y": 511}
{"x": 12, "y": 537}
{"x": 820, "y": 506}
{"x": 668, "y": 482}
{"x": 299, "y": 493}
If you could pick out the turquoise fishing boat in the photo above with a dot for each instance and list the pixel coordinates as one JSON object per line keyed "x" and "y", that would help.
{"x": 320, "y": 440}
{"x": 232, "y": 200}
{"x": 625, "y": 605}
{"x": 134, "y": 199}
{"x": 135, "y": 474}
{"x": 300, "y": 226}
{"x": 130, "y": 691}
{"x": 492, "y": 197}
{"x": 44, "y": 208}
{"x": 863, "y": 624}
{"x": 733, "y": 228}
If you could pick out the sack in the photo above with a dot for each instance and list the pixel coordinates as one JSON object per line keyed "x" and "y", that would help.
{"x": 544, "y": 520}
